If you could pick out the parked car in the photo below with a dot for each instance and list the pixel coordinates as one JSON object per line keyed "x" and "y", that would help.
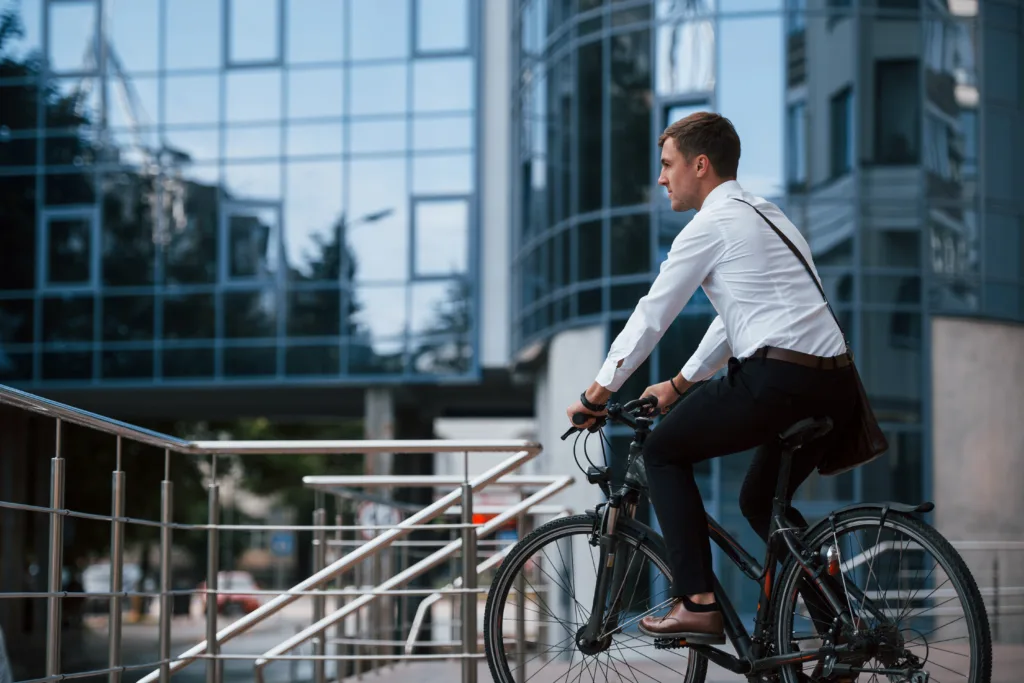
{"x": 229, "y": 602}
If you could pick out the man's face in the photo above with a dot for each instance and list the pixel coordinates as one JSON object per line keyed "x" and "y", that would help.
{"x": 679, "y": 177}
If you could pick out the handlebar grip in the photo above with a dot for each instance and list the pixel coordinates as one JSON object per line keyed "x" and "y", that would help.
{"x": 580, "y": 418}
{"x": 646, "y": 401}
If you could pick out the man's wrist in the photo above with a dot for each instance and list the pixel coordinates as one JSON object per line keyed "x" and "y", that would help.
{"x": 680, "y": 383}
{"x": 597, "y": 394}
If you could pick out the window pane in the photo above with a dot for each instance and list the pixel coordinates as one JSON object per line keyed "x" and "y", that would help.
{"x": 129, "y": 236}
{"x": 1004, "y": 247}
{"x": 68, "y": 319}
{"x": 16, "y": 321}
{"x": 134, "y": 31}
{"x": 250, "y": 314}
{"x": 199, "y": 145}
{"x": 252, "y": 142}
{"x": 796, "y": 147}
{"x": 75, "y": 365}
{"x": 253, "y": 95}
{"x": 442, "y": 174}
{"x": 841, "y": 116}
{"x": 440, "y": 307}
{"x": 892, "y": 248}
{"x": 313, "y": 360}
{"x": 631, "y": 171}
{"x": 127, "y": 318}
{"x": 188, "y": 316}
{"x": 590, "y": 85}
{"x": 442, "y": 25}
{"x": 379, "y": 29}
{"x": 379, "y": 357}
{"x": 380, "y": 311}
{"x": 315, "y": 139}
{"x": 890, "y": 362}
{"x": 443, "y": 85}
{"x": 590, "y": 251}
{"x": 315, "y": 92}
{"x": 686, "y": 57}
{"x": 253, "y": 181}
{"x": 377, "y": 136}
{"x": 450, "y": 132}
{"x": 631, "y": 244}
{"x": 192, "y": 99}
{"x": 127, "y": 364}
{"x": 442, "y": 237}
{"x": 72, "y": 36}
{"x": 313, "y": 211}
{"x": 17, "y": 47}
{"x": 900, "y": 290}
{"x": 379, "y": 89}
{"x": 898, "y": 112}
{"x": 146, "y": 108}
{"x": 316, "y": 31}
{"x": 69, "y": 258}
{"x": 257, "y": 361}
{"x": 314, "y": 313}
{"x": 254, "y": 30}
{"x": 193, "y": 34}
{"x": 188, "y": 363}
{"x": 378, "y": 235}
{"x": 190, "y": 255}
{"x": 252, "y": 243}
{"x": 750, "y": 89}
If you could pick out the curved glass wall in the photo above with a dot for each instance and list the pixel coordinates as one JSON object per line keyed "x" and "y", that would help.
{"x": 203, "y": 191}
{"x": 861, "y": 119}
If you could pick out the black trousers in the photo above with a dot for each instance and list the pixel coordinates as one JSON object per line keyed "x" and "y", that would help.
{"x": 748, "y": 408}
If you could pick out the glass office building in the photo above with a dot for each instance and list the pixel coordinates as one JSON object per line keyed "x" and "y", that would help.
{"x": 230, "y": 191}
{"x": 871, "y": 122}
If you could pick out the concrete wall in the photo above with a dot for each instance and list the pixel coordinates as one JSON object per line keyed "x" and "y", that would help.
{"x": 496, "y": 165}
{"x": 978, "y": 447}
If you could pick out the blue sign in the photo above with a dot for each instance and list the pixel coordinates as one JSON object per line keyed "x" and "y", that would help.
{"x": 282, "y": 543}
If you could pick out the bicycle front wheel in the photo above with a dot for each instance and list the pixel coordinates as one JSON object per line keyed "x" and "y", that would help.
{"x": 541, "y": 598}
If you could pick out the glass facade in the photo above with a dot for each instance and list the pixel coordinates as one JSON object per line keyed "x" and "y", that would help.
{"x": 196, "y": 191}
{"x": 861, "y": 119}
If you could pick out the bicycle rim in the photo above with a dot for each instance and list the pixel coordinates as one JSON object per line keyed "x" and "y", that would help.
{"x": 552, "y": 574}
{"x": 927, "y": 603}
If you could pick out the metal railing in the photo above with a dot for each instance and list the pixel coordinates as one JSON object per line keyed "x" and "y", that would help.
{"x": 461, "y": 497}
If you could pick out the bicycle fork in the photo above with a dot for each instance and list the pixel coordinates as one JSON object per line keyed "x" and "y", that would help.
{"x": 596, "y": 634}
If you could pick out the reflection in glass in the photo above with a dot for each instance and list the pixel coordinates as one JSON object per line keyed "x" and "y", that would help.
{"x": 796, "y": 145}
{"x": 250, "y": 314}
{"x": 313, "y": 210}
{"x": 256, "y": 361}
{"x": 69, "y": 251}
{"x": 252, "y": 242}
{"x": 589, "y": 250}
{"x": 127, "y": 318}
{"x": 68, "y": 319}
{"x": 312, "y": 360}
{"x": 686, "y": 55}
{"x": 378, "y": 235}
{"x": 899, "y": 290}
{"x": 15, "y": 367}
{"x": 890, "y": 363}
{"x": 128, "y": 241}
{"x": 381, "y": 357}
{"x": 898, "y": 113}
{"x": 69, "y": 365}
{"x": 841, "y": 133}
{"x": 442, "y": 25}
{"x": 188, "y": 363}
{"x": 143, "y": 111}
{"x": 590, "y": 85}
{"x": 449, "y": 132}
{"x": 443, "y": 84}
{"x": 127, "y": 364}
{"x": 253, "y": 95}
{"x": 16, "y": 321}
{"x": 253, "y": 35}
{"x": 253, "y": 181}
{"x": 19, "y": 47}
{"x": 378, "y": 89}
{"x": 377, "y": 136}
{"x": 188, "y": 316}
{"x": 197, "y": 144}
{"x": 954, "y": 242}
{"x": 314, "y": 313}
{"x": 252, "y": 142}
{"x": 750, "y": 91}
{"x": 442, "y": 237}
{"x": 631, "y": 244}
{"x": 316, "y": 31}
{"x": 379, "y": 312}
{"x": 631, "y": 99}
{"x": 190, "y": 255}
{"x": 191, "y": 99}
{"x": 891, "y": 248}
{"x": 134, "y": 34}
{"x": 315, "y": 139}
{"x": 379, "y": 29}
{"x": 441, "y": 307}
{"x": 441, "y": 355}
{"x": 72, "y": 39}
{"x": 193, "y": 34}
{"x": 449, "y": 174}
{"x": 315, "y": 93}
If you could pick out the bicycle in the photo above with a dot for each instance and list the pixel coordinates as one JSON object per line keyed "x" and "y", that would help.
{"x": 855, "y": 629}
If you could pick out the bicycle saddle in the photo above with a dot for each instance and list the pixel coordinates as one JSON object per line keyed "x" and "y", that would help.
{"x": 805, "y": 431}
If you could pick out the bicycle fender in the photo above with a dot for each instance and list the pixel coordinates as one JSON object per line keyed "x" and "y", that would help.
{"x": 922, "y": 508}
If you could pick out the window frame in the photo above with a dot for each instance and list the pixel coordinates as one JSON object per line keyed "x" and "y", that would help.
{"x": 416, "y": 52}
{"x": 415, "y": 201}
{"x": 226, "y": 45}
{"x": 230, "y": 208}
{"x": 843, "y": 97}
{"x": 47, "y": 215}
{"x": 48, "y": 5}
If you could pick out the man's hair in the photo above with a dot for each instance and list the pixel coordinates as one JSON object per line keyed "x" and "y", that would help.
{"x": 707, "y": 133}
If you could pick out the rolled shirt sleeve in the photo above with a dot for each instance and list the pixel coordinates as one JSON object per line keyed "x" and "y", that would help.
{"x": 712, "y": 353}
{"x": 694, "y": 252}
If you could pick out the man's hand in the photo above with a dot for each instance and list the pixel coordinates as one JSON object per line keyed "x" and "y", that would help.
{"x": 665, "y": 393}
{"x": 597, "y": 395}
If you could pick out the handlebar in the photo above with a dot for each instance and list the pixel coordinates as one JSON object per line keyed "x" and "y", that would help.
{"x": 624, "y": 414}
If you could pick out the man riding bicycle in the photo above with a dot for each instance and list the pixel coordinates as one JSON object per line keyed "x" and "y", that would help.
{"x": 787, "y": 360}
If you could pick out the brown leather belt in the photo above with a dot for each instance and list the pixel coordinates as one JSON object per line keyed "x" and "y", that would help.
{"x": 805, "y": 359}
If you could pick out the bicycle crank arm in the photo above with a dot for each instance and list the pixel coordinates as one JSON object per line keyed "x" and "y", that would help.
{"x": 907, "y": 675}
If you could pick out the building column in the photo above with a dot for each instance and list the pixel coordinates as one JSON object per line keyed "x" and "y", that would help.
{"x": 379, "y": 424}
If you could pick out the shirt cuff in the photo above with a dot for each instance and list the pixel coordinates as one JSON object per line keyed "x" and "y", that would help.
{"x": 611, "y": 376}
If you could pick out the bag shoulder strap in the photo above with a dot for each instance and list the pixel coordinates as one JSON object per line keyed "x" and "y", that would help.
{"x": 807, "y": 267}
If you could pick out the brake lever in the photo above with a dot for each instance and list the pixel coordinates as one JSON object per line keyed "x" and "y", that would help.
{"x": 580, "y": 418}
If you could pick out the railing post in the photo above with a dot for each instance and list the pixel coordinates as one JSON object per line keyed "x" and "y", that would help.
{"x": 166, "y": 600}
{"x": 341, "y": 669}
{"x": 319, "y": 602}
{"x": 469, "y": 598}
{"x": 995, "y": 596}
{"x": 212, "y": 568}
{"x": 53, "y": 619}
{"x": 116, "y": 569}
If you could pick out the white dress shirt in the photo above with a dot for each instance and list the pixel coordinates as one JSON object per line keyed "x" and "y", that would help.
{"x": 759, "y": 288}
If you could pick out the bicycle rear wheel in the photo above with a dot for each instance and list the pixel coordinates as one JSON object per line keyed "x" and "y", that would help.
{"x": 915, "y": 601}
{"x": 549, "y": 579}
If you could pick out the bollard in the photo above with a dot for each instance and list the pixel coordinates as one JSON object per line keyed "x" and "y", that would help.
{"x": 53, "y": 619}
{"x": 116, "y": 570}
{"x": 166, "y": 605}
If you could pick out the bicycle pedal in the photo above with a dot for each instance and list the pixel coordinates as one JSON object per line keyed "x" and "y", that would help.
{"x": 669, "y": 643}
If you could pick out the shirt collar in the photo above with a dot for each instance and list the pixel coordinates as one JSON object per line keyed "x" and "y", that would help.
{"x": 730, "y": 188}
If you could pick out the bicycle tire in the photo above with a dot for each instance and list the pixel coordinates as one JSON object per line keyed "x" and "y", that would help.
{"x": 931, "y": 540}
{"x": 652, "y": 547}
